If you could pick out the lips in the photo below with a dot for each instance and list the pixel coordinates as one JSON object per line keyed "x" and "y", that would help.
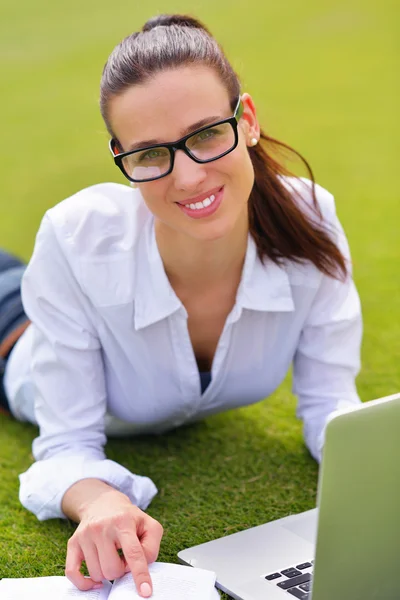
{"x": 204, "y": 205}
{"x": 201, "y": 197}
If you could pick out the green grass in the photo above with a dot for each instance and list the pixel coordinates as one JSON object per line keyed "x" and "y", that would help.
{"x": 323, "y": 76}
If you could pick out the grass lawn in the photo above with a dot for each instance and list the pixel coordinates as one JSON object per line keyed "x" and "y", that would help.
{"x": 324, "y": 78}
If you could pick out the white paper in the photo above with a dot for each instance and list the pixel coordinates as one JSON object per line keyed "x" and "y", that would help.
{"x": 48, "y": 588}
{"x": 170, "y": 582}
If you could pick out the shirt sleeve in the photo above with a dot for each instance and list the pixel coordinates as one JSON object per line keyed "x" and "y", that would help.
{"x": 327, "y": 357}
{"x": 70, "y": 389}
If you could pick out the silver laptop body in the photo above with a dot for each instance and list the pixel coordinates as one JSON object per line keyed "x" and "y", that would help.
{"x": 354, "y": 535}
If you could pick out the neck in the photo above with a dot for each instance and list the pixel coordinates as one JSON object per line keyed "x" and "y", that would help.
{"x": 195, "y": 264}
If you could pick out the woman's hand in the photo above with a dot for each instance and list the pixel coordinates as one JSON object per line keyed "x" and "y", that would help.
{"x": 108, "y": 523}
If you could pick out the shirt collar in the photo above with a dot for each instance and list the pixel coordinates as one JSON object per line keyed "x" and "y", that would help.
{"x": 263, "y": 287}
{"x": 155, "y": 298}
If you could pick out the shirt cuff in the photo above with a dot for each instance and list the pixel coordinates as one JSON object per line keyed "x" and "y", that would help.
{"x": 315, "y": 437}
{"x": 44, "y": 484}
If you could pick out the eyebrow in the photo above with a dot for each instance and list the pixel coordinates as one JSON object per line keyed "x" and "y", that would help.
{"x": 190, "y": 129}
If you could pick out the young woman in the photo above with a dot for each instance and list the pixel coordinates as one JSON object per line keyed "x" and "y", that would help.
{"x": 191, "y": 294}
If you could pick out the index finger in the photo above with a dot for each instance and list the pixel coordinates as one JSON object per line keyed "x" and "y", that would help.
{"x": 137, "y": 563}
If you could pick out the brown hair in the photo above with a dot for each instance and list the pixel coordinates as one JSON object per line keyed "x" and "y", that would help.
{"x": 280, "y": 228}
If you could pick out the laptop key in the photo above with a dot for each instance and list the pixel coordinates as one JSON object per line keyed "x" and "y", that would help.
{"x": 292, "y": 572}
{"x": 306, "y": 587}
{"x": 299, "y": 594}
{"x": 289, "y": 583}
{"x": 305, "y": 565}
{"x": 273, "y": 576}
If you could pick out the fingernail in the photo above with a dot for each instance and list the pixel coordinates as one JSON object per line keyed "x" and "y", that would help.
{"x": 97, "y": 586}
{"x": 145, "y": 590}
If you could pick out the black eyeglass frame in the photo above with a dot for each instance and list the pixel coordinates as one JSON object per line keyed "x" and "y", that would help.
{"x": 180, "y": 144}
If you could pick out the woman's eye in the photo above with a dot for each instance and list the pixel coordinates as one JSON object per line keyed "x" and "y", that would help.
{"x": 150, "y": 154}
{"x": 207, "y": 134}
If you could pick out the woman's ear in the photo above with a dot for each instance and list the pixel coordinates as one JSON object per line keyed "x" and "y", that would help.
{"x": 248, "y": 121}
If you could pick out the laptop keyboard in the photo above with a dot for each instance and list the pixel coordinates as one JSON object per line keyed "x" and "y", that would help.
{"x": 295, "y": 580}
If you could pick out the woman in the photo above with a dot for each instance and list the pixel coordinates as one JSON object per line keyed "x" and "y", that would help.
{"x": 189, "y": 295}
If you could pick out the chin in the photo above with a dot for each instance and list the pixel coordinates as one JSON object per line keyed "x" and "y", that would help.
{"x": 212, "y": 231}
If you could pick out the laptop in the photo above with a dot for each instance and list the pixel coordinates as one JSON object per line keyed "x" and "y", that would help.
{"x": 346, "y": 549}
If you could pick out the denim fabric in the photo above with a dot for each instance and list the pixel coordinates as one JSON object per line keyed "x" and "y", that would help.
{"x": 11, "y": 310}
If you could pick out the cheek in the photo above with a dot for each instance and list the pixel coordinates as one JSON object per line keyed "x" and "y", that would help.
{"x": 243, "y": 170}
{"x": 154, "y": 194}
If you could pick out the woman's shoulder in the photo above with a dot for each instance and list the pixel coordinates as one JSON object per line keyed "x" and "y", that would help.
{"x": 103, "y": 217}
{"x": 319, "y": 206}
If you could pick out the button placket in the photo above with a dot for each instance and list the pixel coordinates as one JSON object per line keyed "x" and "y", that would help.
{"x": 192, "y": 398}
{"x": 221, "y": 352}
{"x": 186, "y": 362}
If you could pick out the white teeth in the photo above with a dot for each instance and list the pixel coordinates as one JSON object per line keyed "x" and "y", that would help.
{"x": 206, "y": 202}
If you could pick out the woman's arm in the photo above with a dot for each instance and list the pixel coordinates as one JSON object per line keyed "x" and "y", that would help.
{"x": 327, "y": 359}
{"x": 81, "y": 495}
{"x": 72, "y": 471}
{"x": 68, "y": 376}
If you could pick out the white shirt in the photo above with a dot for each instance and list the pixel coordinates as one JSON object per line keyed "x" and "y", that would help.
{"x": 109, "y": 350}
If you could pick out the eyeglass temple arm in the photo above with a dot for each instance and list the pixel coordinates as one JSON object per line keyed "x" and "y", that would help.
{"x": 239, "y": 109}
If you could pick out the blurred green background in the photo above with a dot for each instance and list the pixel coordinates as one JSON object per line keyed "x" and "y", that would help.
{"x": 324, "y": 76}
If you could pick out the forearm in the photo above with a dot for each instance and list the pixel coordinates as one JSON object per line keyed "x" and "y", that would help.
{"x": 80, "y": 495}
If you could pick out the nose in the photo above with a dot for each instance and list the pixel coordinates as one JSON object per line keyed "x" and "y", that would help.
{"x": 187, "y": 174}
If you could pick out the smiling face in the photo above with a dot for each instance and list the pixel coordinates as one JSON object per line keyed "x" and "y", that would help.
{"x": 164, "y": 109}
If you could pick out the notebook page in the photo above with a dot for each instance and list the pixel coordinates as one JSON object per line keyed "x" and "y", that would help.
{"x": 48, "y": 588}
{"x": 215, "y": 595}
{"x": 170, "y": 582}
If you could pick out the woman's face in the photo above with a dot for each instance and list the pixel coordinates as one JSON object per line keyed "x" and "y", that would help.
{"x": 164, "y": 109}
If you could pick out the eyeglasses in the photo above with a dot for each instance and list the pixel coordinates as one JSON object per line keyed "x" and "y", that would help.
{"x": 203, "y": 145}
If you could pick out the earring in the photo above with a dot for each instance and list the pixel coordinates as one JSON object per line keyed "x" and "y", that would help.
{"x": 253, "y": 141}
{"x": 133, "y": 184}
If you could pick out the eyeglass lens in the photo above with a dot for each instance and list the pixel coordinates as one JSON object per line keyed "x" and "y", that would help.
{"x": 205, "y": 145}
